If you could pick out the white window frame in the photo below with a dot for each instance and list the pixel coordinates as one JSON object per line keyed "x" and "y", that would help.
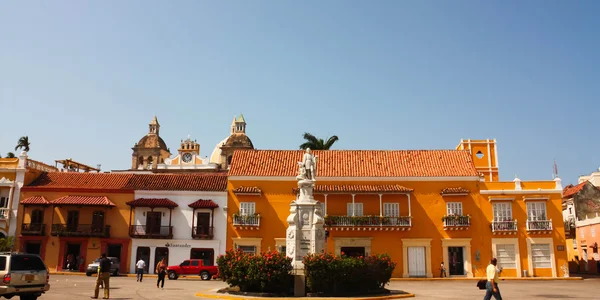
{"x": 247, "y": 208}
{"x": 502, "y": 212}
{"x": 593, "y": 231}
{"x": 391, "y": 209}
{"x": 358, "y": 209}
{"x": 454, "y": 208}
{"x": 541, "y": 257}
{"x": 506, "y": 255}
{"x": 581, "y": 233}
{"x": 247, "y": 246}
{"x": 536, "y": 211}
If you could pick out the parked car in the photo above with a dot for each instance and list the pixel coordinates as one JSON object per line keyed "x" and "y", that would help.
{"x": 192, "y": 267}
{"x": 23, "y": 275}
{"x": 114, "y": 267}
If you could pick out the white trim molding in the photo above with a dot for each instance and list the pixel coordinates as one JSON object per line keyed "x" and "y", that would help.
{"x": 416, "y": 243}
{"x": 459, "y": 242}
{"x": 340, "y": 242}
{"x": 501, "y": 199}
{"x": 247, "y": 241}
{"x": 346, "y": 179}
{"x": 550, "y": 242}
{"x": 536, "y": 198}
{"x": 523, "y": 192}
{"x": 508, "y": 241}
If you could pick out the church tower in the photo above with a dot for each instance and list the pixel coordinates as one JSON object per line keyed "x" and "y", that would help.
{"x": 485, "y": 156}
{"x": 151, "y": 150}
{"x": 237, "y": 140}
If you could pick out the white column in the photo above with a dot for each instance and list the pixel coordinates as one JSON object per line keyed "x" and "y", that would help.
{"x": 380, "y": 206}
{"x": 409, "y": 213}
{"x": 10, "y": 196}
{"x": 151, "y": 264}
{"x": 325, "y": 208}
{"x": 353, "y": 204}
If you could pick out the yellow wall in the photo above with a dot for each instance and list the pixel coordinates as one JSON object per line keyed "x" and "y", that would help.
{"x": 427, "y": 208}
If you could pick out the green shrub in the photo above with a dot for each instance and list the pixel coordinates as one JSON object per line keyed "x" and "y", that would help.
{"x": 343, "y": 275}
{"x": 268, "y": 272}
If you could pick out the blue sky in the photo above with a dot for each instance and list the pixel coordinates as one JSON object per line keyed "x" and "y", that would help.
{"x": 83, "y": 78}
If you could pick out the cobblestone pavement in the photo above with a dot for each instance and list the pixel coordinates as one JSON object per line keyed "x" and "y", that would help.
{"x": 81, "y": 287}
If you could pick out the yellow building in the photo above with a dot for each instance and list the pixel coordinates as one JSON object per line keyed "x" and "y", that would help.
{"x": 423, "y": 207}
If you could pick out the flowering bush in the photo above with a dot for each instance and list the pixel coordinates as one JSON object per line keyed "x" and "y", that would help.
{"x": 343, "y": 275}
{"x": 268, "y": 272}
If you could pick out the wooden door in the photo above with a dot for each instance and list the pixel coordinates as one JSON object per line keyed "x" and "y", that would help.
{"x": 203, "y": 223}
{"x": 72, "y": 220}
{"x": 153, "y": 222}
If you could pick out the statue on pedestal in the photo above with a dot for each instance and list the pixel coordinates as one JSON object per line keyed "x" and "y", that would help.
{"x": 308, "y": 166}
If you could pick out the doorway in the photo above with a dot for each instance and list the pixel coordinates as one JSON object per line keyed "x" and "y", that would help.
{"x": 98, "y": 221}
{"x": 416, "y": 262}
{"x": 143, "y": 253}
{"x": 206, "y": 255}
{"x": 153, "y": 222}
{"x": 203, "y": 223}
{"x": 114, "y": 250}
{"x": 72, "y": 220}
{"x": 353, "y": 251}
{"x": 456, "y": 265}
{"x": 71, "y": 259}
{"x": 159, "y": 253}
{"x": 33, "y": 248}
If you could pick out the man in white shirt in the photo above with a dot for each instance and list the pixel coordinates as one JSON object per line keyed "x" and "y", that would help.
{"x": 491, "y": 286}
{"x": 140, "y": 265}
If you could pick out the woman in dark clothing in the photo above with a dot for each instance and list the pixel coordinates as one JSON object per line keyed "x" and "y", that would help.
{"x": 161, "y": 269}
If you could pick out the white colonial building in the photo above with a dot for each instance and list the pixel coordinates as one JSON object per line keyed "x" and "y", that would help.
{"x": 179, "y": 217}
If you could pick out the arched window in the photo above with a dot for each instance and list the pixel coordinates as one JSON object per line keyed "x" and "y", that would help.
{"x": 140, "y": 161}
{"x": 149, "y": 162}
{"x": 229, "y": 159}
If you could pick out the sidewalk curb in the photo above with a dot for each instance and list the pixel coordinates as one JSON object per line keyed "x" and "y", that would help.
{"x": 233, "y": 297}
{"x": 120, "y": 275}
{"x": 474, "y": 279}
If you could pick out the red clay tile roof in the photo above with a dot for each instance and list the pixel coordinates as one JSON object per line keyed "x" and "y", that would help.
{"x": 152, "y": 202}
{"x": 359, "y": 189}
{"x": 179, "y": 182}
{"x": 130, "y": 182}
{"x": 247, "y": 190}
{"x": 454, "y": 191}
{"x": 77, "y": 180}
{"x": 357, "y": 163}
{"x": 83, "y": 200}
{"x": 571, "y": 190}
{"x": 201, "y": 203}
{"x": 35, "y": 200}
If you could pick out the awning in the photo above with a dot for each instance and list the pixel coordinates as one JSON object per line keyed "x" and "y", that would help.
{"x": 359, "y": 189}
{"x": 247, "y": 190}
{"x": 201, "y": 203}
{"x": 152, "y": 202}
{"x": 35, "y": 200}
{"x": 83, "y": 201}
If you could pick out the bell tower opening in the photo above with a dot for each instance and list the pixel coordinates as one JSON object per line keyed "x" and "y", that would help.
{"x": 484, "y": 155}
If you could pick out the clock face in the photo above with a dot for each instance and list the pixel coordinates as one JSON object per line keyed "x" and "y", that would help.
{"x": 187, "y": 157}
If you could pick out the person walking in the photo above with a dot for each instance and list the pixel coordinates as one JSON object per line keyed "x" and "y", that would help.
{"x": 140, "y": 265}
{"x": 491, "y": 287}
{"x": 442, "y": 270}
{"x": 103, "y": 277}
{"x": 161, "y": 269}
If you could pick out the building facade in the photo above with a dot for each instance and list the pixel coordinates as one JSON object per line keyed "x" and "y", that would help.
{"x": 423, "y": 207}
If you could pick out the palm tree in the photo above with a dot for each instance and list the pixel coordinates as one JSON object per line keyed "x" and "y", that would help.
{"x": 10, "y": 155}
{"x": 23, "y": 144}
{"x": 318, "y": 144}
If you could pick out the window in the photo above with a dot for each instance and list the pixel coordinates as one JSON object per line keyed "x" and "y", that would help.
{"x": 247, "y": 208}
{"x": 358, "y": 209}
{"x": 391, "y": 209}
{"x": 454, "y": 208}
{"x": 2, "y": 263}
{"x": 248, "y": 249}
{"x": 540, "y": 255}
{"x": 3, "y": 202}
{"x": 26, "y": 263}
{"x": 593, "y": 231}
{"x": 506, "y": 256}
{"x": 185, "y": 263}
{"x": 536, "y": 211}
{"x": 281, "y": 249}
{"x": 581, "y": 233}
{"x": 195, "y": 263}
{"x": 502, "y": 212}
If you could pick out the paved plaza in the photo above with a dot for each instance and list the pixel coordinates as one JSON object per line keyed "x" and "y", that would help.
{"x": 81, "y": 287}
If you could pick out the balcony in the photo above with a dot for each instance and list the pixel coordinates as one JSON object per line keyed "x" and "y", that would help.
{"x": 81, "y": 230}
{"x": 202, "y": 233}
{"x": 246, "y": 222}
{"x": 401, "y": 223}
{"x": 504, "y": 227}
{"x": 456, "y": 222}
{"x": 4, "y": 213}
{"x": 33, "y": 229}
{"x": 151, "y": 232}
{"x": 540, "y": 226}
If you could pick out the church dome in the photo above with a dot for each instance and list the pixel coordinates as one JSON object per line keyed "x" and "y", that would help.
{"x": 152, "y": 141}
{"x": 238, "y": 140}
{"x": 215, "y": 157}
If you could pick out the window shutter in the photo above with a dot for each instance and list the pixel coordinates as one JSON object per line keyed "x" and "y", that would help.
{"x": 349, "y": 209}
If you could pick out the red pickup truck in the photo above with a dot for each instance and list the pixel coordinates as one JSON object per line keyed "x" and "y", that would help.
{"x": 192, "y": 267}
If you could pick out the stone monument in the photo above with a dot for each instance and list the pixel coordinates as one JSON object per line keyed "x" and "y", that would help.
{"x": 305, "y": 234}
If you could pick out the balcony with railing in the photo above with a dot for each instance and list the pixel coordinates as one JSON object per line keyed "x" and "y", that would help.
{"x": 246, "y": 221}
{"x": 33, "y": 229}
{"x": 454, "y": 222}
{"x": 151, "y": 232}
{"x": 539, "y": 226}
{"x": 504, "y": 227}
{"x": 368, "y": 222}
{"x": 4, "y": 213}
{"x": 81, "y": 230}
{"x": 203, "y": 233}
